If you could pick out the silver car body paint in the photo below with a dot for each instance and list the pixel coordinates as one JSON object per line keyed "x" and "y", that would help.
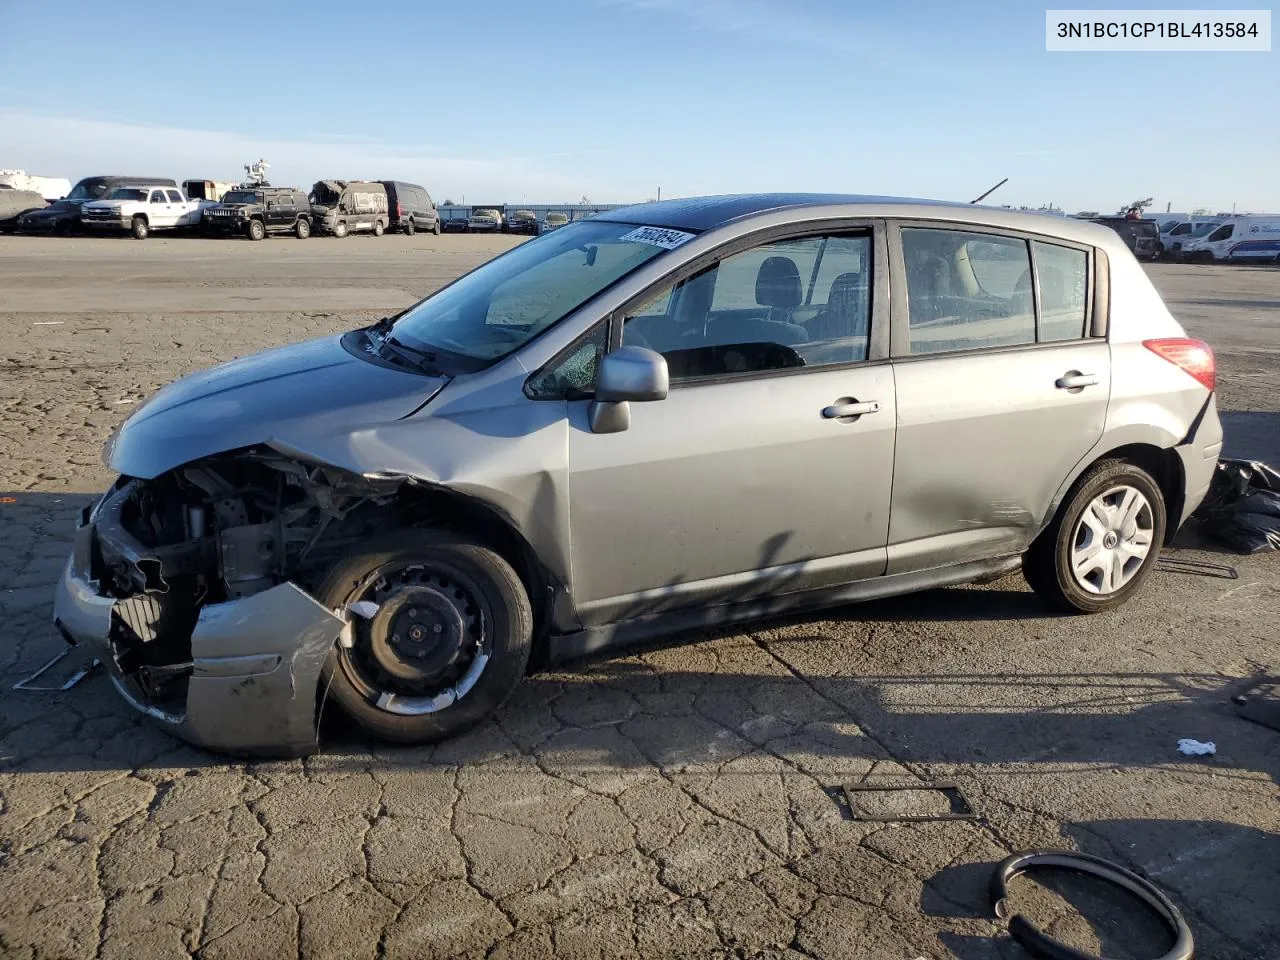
{"x": 731, "y": 492}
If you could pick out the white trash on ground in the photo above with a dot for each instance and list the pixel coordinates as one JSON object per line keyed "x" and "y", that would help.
{"x": 1194, "y": 748}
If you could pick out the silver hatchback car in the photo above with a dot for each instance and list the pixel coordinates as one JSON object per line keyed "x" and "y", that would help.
{"x": 673, "y": 415}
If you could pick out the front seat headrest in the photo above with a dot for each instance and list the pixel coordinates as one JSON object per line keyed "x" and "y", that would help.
{"x": 778, "y": 284}
{"x": 844, "y": 291}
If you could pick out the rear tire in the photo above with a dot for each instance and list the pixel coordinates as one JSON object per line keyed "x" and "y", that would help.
{"x": 140, "y": 229}
{"x": 256, "y": 230}
{"x": 442, "y": 600}
{"x": 409, "y": 227}
{"x": 1103, "y": 542}
{"x": 436, "y": 229}
{"x": 377, "y": 228}
{"x": 302, "y": 229}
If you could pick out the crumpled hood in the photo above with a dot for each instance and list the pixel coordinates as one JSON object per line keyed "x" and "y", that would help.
{"x": 290, "y": 396}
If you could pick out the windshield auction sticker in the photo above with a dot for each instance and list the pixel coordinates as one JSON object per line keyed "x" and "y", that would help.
{"x": 1144, "y": 31}
{"x": 657, "y": 236}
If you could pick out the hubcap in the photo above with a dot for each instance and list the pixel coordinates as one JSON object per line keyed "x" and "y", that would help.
{"x": 1112, "y": 540}
{"x": 425, "y": 644}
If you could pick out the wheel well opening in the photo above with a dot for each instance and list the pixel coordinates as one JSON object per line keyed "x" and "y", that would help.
{"x": 467, "y": 516}
{"x": 1166, "y": 469}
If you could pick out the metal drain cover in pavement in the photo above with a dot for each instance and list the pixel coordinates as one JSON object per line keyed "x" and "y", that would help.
{"x": 909, "y": 801}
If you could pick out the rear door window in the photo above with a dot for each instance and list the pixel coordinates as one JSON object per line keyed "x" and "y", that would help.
{"x": 174, "y": 196}
{"x": 967, "y": 291}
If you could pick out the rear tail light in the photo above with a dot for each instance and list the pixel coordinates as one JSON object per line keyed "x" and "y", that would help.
{"x": 1193, "y": 357}
{"x": 399, "y": 212}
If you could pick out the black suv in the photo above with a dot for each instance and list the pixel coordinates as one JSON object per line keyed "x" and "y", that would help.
{"x": 258, "y": 211}
{"x": 1140, "y": 235}
{"x": 411, "y": 207}
{"x": 522, "y": 221}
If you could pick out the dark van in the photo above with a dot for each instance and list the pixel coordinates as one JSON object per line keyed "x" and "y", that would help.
{"x": 1139, "y": 235}
{"x": 64, "y": 216}
{"x": 411, "y": 207}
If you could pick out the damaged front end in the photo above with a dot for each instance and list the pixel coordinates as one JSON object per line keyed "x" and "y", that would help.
{"x": 194, "y": 589}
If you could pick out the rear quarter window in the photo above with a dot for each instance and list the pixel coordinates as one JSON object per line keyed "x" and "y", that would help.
{"x": 1063, "y": 275}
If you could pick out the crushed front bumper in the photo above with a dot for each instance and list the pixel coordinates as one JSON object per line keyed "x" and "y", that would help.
{"x": 255, "y": 662}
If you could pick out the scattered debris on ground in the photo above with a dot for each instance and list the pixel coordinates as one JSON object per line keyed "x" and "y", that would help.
{"x": 1242, "y": 509}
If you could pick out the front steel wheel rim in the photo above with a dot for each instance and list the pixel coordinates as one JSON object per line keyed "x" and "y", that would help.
{"x": 1112, "y": 540}
{"x": 419, "y": 638}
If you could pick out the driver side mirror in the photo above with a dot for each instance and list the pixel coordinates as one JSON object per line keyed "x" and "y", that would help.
{"x": 626, "y": 374}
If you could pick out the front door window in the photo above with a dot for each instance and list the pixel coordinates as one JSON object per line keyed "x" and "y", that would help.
{"x": 788, "y": 304}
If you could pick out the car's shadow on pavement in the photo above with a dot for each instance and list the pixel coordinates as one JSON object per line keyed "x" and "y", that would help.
{"x": 622, "y": 711}
{"x": 930, "y": 685}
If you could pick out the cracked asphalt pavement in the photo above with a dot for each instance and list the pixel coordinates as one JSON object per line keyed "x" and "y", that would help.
{"x": 679, "y": 800}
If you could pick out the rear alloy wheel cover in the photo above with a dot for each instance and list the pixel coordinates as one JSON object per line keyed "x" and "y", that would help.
{"x": 1112, "y": 540}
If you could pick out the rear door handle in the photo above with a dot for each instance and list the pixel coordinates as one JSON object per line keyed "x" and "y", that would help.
{"x": 1075, "y": 380}
{"x": 838, "y": 411}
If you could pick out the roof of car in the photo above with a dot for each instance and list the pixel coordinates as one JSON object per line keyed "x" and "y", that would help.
{"x": 706, "y": 213}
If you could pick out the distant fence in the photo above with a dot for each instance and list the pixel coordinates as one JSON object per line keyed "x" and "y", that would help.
{"x": 574, "y": 211}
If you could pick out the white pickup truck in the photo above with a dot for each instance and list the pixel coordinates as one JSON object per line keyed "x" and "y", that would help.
{"x": 142, "y": 209}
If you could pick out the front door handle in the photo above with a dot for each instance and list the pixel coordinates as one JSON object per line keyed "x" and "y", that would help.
{"x": 849, "y": 408}
{"x": 1075, "y": 380}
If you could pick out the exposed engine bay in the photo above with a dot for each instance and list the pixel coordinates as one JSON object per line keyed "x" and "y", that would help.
{"x": 221, "y": 529}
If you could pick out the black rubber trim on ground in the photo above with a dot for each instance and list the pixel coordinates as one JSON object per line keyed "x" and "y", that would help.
{"x": 1197, "y": 568}
{"x": 1041, "y": 945}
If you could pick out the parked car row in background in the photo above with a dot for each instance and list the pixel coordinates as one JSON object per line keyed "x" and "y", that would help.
{"x": 1246, "y": 238}
{"x": 1242, "y": 239}
{"x": 254, "y": 208}
{"x": 498, "y": 220}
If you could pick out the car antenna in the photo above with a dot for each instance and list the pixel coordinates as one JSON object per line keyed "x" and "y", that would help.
{"x": 991, "y": 191}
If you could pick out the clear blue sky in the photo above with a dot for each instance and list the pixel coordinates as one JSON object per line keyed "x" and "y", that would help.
{"x": 548, "y": 100}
